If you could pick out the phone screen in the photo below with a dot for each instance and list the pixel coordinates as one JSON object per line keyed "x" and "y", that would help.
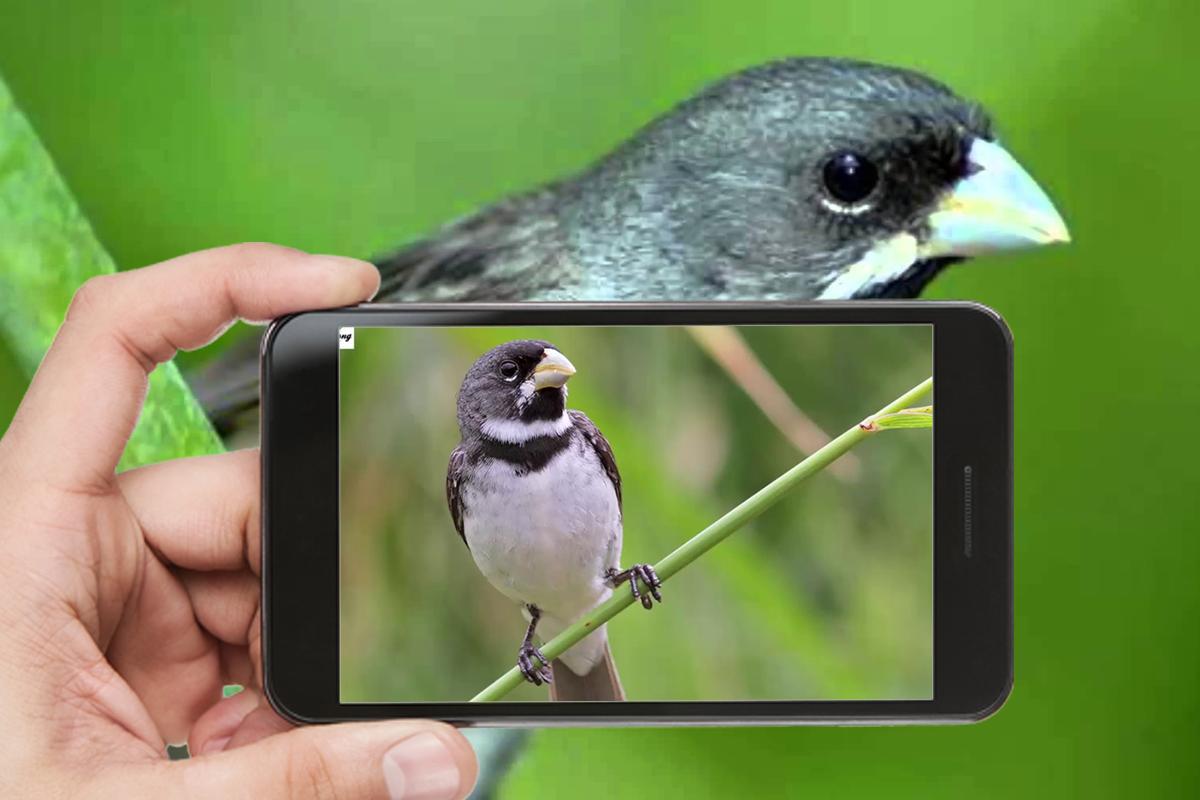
{"x": 828, "y": 595}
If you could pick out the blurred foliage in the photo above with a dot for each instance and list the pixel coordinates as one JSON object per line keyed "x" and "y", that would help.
{"x": 47, "y": 250}
{"x": 349, "y": 127}
{"x": 827, "y": 596}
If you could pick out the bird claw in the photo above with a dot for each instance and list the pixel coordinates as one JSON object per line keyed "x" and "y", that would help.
{"x": 648, "y": 576}
{"x": 536, "y": 674}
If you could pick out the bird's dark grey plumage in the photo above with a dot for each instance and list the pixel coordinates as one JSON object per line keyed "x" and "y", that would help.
{"x": 721, "y": 198}
{"x": 800, "y": 179}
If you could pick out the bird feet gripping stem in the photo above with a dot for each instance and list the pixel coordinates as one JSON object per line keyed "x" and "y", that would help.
{"x": 643, "y": 571}
{"x": 533, "y": 665}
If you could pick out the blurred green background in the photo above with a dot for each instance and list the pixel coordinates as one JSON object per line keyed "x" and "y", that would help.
{"x": 827, "y": 596}
{"x": 350, "y": 126}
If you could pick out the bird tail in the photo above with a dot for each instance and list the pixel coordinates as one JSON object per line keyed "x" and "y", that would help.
{"x": 227, "y": 386}
{"x": 601, "y": 683}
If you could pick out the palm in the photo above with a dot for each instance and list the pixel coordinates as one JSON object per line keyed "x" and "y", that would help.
{"x": 152, "y": 617}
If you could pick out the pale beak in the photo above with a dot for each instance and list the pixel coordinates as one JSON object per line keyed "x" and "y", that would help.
{"x": 552, "y": 371}
{"x": 996, "y": 207}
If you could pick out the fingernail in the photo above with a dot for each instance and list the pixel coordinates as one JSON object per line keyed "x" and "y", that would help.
{"x": 215, "y": 745}
{"x": 421, "y": 768}
{"x": 366, "y": 267}
{"x": 348, "y": 261}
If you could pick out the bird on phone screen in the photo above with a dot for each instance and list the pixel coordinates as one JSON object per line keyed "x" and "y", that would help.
{"x": 534, "y": 491}
{"x": 802, "y": 179}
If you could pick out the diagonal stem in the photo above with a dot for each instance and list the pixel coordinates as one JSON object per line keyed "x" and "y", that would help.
{"x": 708, "y": 538}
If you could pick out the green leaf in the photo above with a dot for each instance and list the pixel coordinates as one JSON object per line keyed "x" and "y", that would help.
{"x": 919, "y": 417}
{"x": 47, "y": 250}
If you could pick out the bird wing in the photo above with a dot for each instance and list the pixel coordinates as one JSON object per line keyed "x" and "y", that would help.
{"x": 600, "y": 445}
{"x": 454, "y": 498}
{"x": 511, "y": 250}
{"x": 227, "y": 386}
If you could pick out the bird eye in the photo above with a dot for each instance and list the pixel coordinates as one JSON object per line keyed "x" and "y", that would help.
{"x": 509, "y": 370}
{"x": 849, "y": 177}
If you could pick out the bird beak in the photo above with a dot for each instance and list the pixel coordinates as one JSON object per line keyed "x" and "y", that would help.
{"x": 997, "y": 207}
{"x": 552, "y": 371}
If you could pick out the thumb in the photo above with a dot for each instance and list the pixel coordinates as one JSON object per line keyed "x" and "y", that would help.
{"x": 415, "y": 760}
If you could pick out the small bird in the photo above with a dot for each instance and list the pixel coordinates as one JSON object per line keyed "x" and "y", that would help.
{"x": 534, "y": 491}
{"x": 802, "y": 179}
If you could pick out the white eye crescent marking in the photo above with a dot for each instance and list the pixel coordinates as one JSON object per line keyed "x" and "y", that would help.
{"x": 509, "y": 370}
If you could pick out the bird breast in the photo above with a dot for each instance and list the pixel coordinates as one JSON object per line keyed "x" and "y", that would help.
{"x": 545, "y": 537}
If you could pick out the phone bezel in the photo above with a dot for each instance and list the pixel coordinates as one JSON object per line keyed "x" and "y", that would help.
{"x": 972, "y": 576}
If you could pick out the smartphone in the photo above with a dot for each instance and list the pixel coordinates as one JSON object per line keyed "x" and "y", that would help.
{"x": 451, "y": 491}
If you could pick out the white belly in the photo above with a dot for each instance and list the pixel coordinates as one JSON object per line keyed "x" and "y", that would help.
{"x": 545, "y": 538}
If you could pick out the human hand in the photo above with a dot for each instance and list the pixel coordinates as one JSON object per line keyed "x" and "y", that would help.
{"x": 127, "y": 601}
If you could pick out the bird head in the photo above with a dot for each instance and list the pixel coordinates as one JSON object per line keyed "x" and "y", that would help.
{"x": 810, "y": 178}
{"x": 515, "y": 391}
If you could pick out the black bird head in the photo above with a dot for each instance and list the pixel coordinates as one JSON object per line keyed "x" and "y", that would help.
{"x": 514, "y": 392}
{"x": 805, "y": 178}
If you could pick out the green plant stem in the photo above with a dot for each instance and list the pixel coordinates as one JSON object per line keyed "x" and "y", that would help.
{"x": 709, "y": 538}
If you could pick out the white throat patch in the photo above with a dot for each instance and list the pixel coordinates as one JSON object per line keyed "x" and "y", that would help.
{"x": 884, "y": 262}
{"x": 515, "y": 431}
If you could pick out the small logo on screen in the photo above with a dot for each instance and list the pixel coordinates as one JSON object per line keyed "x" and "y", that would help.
{"x": 345, "y": 338}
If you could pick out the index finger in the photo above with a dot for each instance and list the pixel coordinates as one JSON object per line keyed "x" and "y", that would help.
{"x": 84, "y": 400}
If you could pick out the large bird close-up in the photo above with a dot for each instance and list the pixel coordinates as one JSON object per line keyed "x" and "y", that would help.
{"x": 535, "y": 493}
{"x": 802, "y": 179}
{"x": 810, "y": 178}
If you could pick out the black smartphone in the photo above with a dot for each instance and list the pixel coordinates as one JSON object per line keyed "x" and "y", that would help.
{"x": 638, "y": 514}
